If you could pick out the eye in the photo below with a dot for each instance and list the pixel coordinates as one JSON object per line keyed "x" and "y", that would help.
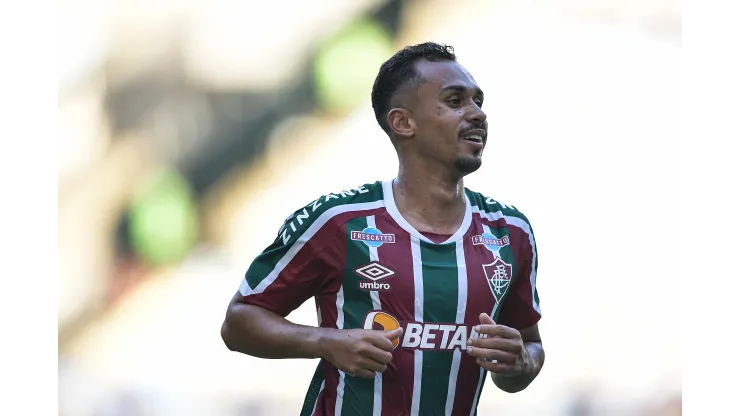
{"x": 455, "y": 102}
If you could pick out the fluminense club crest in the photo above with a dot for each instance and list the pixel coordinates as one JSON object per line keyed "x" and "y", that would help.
{"x": 498, "y": 275}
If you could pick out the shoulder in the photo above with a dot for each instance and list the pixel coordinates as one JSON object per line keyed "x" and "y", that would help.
{"x": 330, "y": 211}
{"x": 492, "y": 208}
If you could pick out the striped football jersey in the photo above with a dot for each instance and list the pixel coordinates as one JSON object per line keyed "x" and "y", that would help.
{"x": 367, "y": 267}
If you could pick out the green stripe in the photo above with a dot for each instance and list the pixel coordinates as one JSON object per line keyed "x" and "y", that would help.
{"x": 358, "y": 392}
{"x": 491, "y": 205}
{"x": 301, "y": 220}
{"x": 439, "y": 273}
{"x": 313, "y": 390}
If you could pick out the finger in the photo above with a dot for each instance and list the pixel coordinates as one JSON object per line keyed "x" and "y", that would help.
{"x": 497, "y": 331}
{"x": 485, "y": 319}
{"x": 385, "y": 340}
{"x": 495, "y": 343}
{"x": 380, "y": 341}
{"x": 488, "y": 354}
{"x": 361, "y": 373}
{"x": 372, "y": 365}
{"x": 393, "y": 334}
{"x": 499, "y": 368}
{"x": 379, "y": 355}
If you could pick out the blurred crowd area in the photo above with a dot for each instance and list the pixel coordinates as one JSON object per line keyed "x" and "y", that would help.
{"x": 190, "y": 129}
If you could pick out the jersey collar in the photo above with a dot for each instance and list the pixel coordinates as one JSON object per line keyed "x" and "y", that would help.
{"x": 390, "y": 206}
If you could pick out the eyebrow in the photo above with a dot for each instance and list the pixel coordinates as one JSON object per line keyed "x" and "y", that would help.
{"x": 461, "y": 88}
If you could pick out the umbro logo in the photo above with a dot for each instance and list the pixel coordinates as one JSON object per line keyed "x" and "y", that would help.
{"x": 374, "y": 272}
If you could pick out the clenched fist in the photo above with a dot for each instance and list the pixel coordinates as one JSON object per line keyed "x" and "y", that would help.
{"x": 499, "y": 349}
{"x": 359, "y": 352}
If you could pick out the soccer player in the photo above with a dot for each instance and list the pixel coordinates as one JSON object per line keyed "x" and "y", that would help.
{"x": 422, "y": 286}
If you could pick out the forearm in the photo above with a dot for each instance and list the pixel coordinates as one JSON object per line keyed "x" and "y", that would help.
{"x": 261, "y": 333}
{"x": 529, "y": 367}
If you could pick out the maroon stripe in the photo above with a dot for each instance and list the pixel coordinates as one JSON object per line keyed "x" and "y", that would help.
{"x": 331, "y": 383}
{"x": 320, "y": 409}
{"x": 398, "y": 379}
{"x": 480, "y": 299}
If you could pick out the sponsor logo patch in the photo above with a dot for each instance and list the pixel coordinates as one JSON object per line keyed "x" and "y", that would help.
{"x": 493, "y": 243}
{"x": 422, "y": 335}
{"x": 380, "y": 320}
{"x": 372, "y": 237}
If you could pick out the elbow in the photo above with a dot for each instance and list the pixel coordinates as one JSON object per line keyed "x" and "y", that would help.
{"x": 226, "y": 335}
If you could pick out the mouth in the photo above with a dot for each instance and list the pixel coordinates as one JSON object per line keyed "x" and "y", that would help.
{"x": 474, "y": 136}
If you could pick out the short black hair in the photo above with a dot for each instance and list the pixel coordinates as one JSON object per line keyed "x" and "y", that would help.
{"x": 399, "y": 69}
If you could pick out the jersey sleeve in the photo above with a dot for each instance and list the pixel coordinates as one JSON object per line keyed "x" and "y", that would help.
{"x": 521, "y": 307}
{"x": 294, "y": 268}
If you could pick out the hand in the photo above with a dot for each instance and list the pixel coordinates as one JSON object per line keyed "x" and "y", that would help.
{"x": 359, "y": 352}
{"x": 499, "y": 349}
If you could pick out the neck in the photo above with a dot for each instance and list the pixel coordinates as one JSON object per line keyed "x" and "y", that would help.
{"x": 430, "y": 198}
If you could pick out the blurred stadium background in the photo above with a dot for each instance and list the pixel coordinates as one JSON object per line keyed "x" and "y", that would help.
{"x": 190, "y": 129}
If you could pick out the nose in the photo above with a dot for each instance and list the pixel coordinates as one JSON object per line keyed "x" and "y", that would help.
{"x": 476, "y": 114}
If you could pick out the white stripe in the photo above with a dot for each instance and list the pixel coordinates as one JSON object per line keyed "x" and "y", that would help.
{"x": 467, "y": 220}
{"x": 340, "y": 325}
{"x": 375, "y": 296}
{"x": 477, "y": 391}
{"x": 519, "y": 223}
{"x": 487, "y": 229}
{"x": 316, "y": 403}
{"x": 373, "y": 257}
{"x": 390, "y": 206}
{"x": 462, "y": 304}
{"x": 302, "y": 240}
{"x": 378, "y": 394}
{"x": 340, "y": 307}
{"x": 462, "y": 283}
{"x": 340, "y": 394}
{"x": 418, "y": 317}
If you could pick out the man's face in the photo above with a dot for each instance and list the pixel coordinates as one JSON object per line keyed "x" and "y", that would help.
{"x": 449, "y": 122}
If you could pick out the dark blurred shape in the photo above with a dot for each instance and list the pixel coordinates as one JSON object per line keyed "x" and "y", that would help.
{"x": 242, "y": 123}
{"x": 205, "y": 134}
{"x": 123, "y": 237}
{"x": 389, "y": 16}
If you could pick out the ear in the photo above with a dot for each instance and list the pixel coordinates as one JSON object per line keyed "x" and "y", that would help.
{"x": 401, "y": 122}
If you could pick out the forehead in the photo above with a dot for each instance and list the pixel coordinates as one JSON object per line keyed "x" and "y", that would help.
{"x": 439, "y": 75}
